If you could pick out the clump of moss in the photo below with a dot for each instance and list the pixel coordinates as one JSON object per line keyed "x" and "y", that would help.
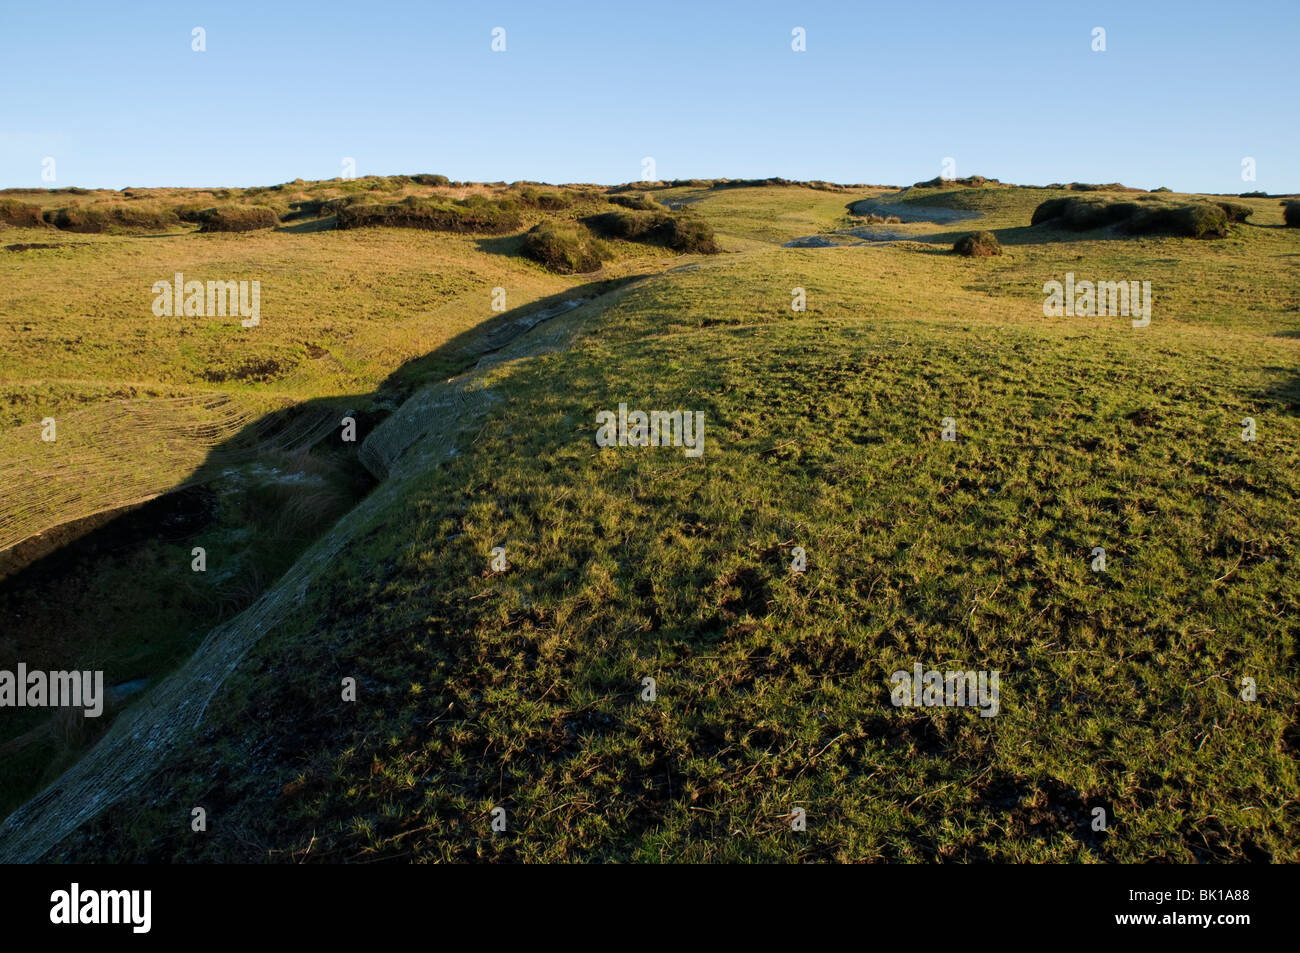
{"x": 978, "y": 245}
{"x": 565, "y": 247}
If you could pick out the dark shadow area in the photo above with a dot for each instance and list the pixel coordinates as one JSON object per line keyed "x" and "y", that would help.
{"x": 500, "y": 244}
{"x": 1285, "y": 391}
{"x": 908, "y": 213}
{"x": 327, "y": 224}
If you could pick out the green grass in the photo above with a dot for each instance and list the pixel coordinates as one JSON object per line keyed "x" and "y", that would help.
{"x": 522, "y": 689}
{"x": 350, "y": 320}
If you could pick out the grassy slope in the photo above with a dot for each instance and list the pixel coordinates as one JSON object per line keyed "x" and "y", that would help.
{"x": 368, "y": 300}
{"x": 522, "y": 689}
{"x": 342, "y": 312}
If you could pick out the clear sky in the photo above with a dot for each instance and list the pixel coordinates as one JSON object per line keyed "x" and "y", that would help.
{"x": 584, "y": 91}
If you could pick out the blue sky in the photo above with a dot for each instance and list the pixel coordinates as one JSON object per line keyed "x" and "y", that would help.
{"x": 584, "y": 91}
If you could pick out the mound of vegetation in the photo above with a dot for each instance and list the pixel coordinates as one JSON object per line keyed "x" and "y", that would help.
{"x": 1291, "y": 213}
{"x": 425, "y": 179}
{"x": 978, "y": 245}
{"x": 90, "y": 219}
{"x": 1104, "y": 187}
{"x": 20, "y": 214}
{"x": 774, "y": 181}
{"x": 642, "y": 203}
{"x": 237, "y": 218}
{"x": 972, "y": 181}
{"x": 474, "y": 214}
{"x": 567, "y": 248}
{"x": 1149, "y": 217}
{"x": 1235, "y": 211}
{"x": 683, "y": 233}
{"x": 534, "y": 198}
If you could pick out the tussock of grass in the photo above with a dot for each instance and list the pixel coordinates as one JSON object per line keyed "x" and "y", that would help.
{"x": 1235, "y": 211}
{"x": 236, "y": 218}
{"x": 566, "y": 248}
{"x": 643, "y": 203}
{"x": 680, "y": 232}
{"x": 978, "y": 245}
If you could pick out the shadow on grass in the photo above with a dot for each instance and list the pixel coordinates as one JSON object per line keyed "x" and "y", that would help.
{"x": 327, "y": 224}
{"x": 1285, "y": 391}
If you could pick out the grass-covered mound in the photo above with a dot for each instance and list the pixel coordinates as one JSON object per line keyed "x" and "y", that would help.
{"x": 642, "y": 203}
{"x": 475, "y": 215}
{"x": 20, "y": 214}
{"x": 566, "y": 248}
{"x": 1097, "y": 187}
{"x": 237, "y": 218}
{"x": 680, "y": 232}
{"x": 978, "y": 245}
{"x": 1150, "y": 216}
{"x": 970, "y": 181}
{"x": 529, "y": 197}
{"x": 1236, "y": 211}
{"x": 111, "y": 216}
